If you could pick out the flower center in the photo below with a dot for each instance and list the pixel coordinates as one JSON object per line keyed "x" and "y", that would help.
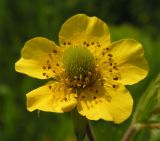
{"x": 79, "y": 67}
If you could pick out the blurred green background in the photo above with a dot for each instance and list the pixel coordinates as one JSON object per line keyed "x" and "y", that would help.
{"x": 21, "y": 20}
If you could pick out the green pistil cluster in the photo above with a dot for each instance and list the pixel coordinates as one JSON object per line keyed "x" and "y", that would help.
{"x": 79, "y": 66}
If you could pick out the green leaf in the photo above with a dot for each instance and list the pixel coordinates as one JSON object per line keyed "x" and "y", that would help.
{"x": 148, "y": 102}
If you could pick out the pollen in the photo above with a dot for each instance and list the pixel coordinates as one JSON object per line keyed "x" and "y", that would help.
{"x": 79, "y": 65}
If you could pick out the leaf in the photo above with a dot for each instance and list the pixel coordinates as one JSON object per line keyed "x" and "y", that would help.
{"x": 148, "y": 102}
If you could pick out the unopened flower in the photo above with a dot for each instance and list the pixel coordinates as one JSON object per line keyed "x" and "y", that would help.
{"x": 89, "y": 72}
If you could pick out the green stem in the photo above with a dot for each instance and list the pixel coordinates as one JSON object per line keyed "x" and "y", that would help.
{"x": 129, "y": 134}
{"x": 137, "y": 126}
{"x": 150, "y": 125}
{"x": 89, "y": 133}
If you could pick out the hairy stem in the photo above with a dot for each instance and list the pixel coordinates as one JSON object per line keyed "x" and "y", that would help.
{"x": 89, "y": 133}
{"x": 137, "y": 126}
{"x": 151, "y": 125}
{"x": 129, "y": 134}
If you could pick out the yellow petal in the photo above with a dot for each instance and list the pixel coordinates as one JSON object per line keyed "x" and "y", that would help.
{"x": 104, "y": 102}
{"x": 81, "y": 30}
{"x": 131, "y": 66}
{"x": 121, "y": 103}
{"x": 40, "y": 58}
{"x": 52, "y": 97}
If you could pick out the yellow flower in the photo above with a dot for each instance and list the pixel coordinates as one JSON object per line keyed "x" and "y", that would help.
{"x": 89, "y": 72}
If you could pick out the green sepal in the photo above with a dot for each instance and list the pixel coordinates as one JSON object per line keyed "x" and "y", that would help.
{"x": 80, "y": 125}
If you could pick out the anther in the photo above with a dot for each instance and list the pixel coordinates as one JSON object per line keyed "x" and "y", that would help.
{"x": 80, "y": 77}
{"x": 49, "y": 67}
{"x": 114, "y": 67}
{"x": 108, "y": 98}
{"x": 79, "y": 85}
{"x": 89, "y": 73}
{"x": 49, "y": 87}
{"x": 94, "y": 97}
{"x": 103, "y": 53}
{"x": 50, "y": 55}
{"x": 75, "y": 77}
{"x": 44, "y": 74}
{"x": 87, "y": 80}
{"x": 54, "y": 51}
{"x": 115, "y": 78}
{"x": 44, "y": 67}
{"x": 110, "y": 55}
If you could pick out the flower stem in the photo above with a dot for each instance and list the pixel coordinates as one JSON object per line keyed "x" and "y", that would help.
{"x": 129, "y": 134}
{"x": 151, "y": 125}
{"x": 137, "y": 126}
{"x": 89, "y": 133}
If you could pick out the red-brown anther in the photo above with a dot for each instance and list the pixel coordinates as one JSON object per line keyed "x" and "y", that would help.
{"x": 114, "y": 67}
{"x": 115, "y": 78}
{"x": 44, "y": 67}
{"x": 110, "y": 55}
{"x": 103, "y": 53}
{"x": 54, "y": 51}
{"x": 49, "y": 67}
